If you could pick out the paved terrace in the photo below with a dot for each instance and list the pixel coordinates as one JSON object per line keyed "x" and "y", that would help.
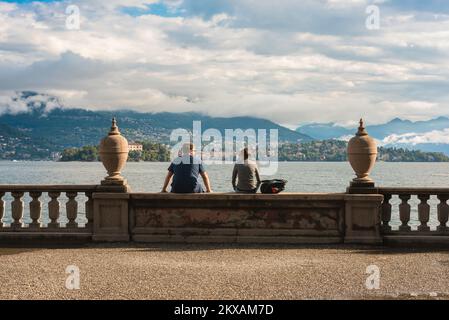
{"x": 223, "y": 272}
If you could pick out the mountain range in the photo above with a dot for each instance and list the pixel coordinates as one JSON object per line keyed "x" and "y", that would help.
{"x": 431, "y": 135}
{"x": 41, "y": 119}
{"x": 34, "y": 124}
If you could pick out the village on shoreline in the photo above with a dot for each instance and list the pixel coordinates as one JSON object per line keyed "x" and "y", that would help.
{"x": 315, "y": 151}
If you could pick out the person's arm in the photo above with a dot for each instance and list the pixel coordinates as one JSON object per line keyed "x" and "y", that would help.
{"x": 167, "y": 181}
{"x": 234, "y": 177}
{"x": 206, "y": 181}
{"x": 259, "y": 182}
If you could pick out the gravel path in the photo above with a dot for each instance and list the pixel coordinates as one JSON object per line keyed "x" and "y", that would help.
{"x": 222, "y": 272}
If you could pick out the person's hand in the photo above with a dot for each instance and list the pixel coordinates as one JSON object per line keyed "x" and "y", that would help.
{"x": 164, "y": 191}
{"x": 209, "y": 191}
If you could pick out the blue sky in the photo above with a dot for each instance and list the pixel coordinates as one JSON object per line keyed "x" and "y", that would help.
{"x": 288, "y": 61}
{"x": 159, "y": 9}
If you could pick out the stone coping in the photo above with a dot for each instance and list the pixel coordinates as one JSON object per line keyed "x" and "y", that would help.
{"x": 238, "y": 197}
{"x": 45, "y": 188}
{"x": 413, "y": 191}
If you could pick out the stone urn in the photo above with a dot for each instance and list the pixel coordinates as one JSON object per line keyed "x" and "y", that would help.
{"x": 362, "y": 155}
{"x": 114, "y": 154}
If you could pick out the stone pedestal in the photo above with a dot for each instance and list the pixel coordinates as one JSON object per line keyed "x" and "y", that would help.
{"x": 110, "y": 217}
{"x": 355, "y": 188}
{"x": 111, "y": 198}
{"x": 121, "y": 187}
{"x": 363, "y": 219}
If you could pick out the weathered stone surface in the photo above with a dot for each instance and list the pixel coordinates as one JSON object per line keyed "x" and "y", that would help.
{"x": 288, "y": 218}
{"x": 302, "y": 218}
{"x": 363, "y": 219}
{"x": 111, "y": 217}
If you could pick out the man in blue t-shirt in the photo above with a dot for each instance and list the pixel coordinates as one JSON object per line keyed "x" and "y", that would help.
{"x": 185, "y": 171}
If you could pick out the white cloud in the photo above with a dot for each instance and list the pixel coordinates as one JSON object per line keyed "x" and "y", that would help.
{"x": 291, "y": 62}
{"x": 437, "y": 136}
{"x": 8, "y": 104}
{"x": 14, "y": 102}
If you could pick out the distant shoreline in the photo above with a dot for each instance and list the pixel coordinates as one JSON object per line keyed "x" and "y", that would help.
{"x": 287, "y": 161}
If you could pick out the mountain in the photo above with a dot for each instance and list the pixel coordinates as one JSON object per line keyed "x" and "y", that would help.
{"x": 16, "y": 144}
{"x": 396, "y": 126}
{"x": 324, "y": 131}
{"x": 43, "y": 118}
{"x": 400, "y": 127}
{"x": 430, "y": 136}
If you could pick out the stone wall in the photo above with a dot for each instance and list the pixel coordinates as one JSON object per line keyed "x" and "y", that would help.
{"x": 283, "y": 218}
{"x": 220, "y": 218}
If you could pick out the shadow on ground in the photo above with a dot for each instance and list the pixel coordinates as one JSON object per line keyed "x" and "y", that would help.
{"x": 13, "y": 251}
{"x": 173, "y": 247}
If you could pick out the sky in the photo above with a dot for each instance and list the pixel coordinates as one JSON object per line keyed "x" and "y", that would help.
{"x": 289, "y": 61}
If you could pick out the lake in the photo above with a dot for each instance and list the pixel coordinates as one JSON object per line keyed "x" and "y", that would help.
{"x": 302, "y": 177}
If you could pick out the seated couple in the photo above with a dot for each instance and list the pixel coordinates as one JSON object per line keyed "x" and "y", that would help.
{"x": 186, "y": 169}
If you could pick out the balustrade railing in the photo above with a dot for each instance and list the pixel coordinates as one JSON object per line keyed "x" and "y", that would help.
{"x": 417, "y": 210}
{"x": 46, "y": 216}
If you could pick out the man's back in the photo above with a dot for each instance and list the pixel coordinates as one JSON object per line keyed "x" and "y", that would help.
{"x": 186, "y": 171}
{"x": 247, "y": 175}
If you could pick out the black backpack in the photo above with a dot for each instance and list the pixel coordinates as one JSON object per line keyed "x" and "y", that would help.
{"x": 273, "y": 186}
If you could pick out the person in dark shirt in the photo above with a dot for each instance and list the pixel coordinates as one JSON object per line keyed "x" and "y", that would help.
{"x": 185, "y": 171}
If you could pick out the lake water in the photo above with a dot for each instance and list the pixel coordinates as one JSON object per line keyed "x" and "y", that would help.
{"x": 302, "y": 177}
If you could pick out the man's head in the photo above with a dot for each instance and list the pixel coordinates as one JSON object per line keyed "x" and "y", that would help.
{"x": 245, "y": 154}
{"x": 188, "y": 149}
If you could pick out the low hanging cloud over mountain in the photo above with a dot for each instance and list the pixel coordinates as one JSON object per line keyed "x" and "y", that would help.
{"x": 24, "y": 102}
{"x": 434, "y": 137}
{"x": 289, "y": 61}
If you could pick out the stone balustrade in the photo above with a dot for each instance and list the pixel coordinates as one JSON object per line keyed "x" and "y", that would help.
{"x": 362, "y": 215}
{"x": 88, "y": 213}
{"x": 53, "y": 221}
{"x": 430, "y": 221}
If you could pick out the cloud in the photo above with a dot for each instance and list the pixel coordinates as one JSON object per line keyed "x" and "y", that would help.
{"x": 292, "y": 61}
{"x": 9, "y": 104}
{"x": 20, "y": 102}
{"x": 437, "y": 136}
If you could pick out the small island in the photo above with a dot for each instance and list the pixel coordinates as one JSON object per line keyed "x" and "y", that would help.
{"x": 148, "y": 151}
{"x": 314, "y": 151}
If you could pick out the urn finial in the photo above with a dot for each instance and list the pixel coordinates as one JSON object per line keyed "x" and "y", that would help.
{"x": 114, "y": 153}
{"x": 114, "y": 128}
{"x": 362, "y": 154}
{"x": 362, "y": 129}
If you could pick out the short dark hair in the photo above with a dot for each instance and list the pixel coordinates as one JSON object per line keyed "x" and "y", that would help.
{"x": 186, "y": 148}
{"x": 245, "y": 154}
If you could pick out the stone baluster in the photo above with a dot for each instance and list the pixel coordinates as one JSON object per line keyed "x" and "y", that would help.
{"x": 35, "y": 209}
{"x": 2, "y": 209}
{"x": 443, "y": 212}
{"x": 53, "y": 209}
{"x": 404, "y": 212}
{"x": 89, "y": 210}
{"x": 423, "y": 212}
{"x": 386, "y": 212}
{"x": 17, "y": 209}
{"x": 72, "y": 209}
